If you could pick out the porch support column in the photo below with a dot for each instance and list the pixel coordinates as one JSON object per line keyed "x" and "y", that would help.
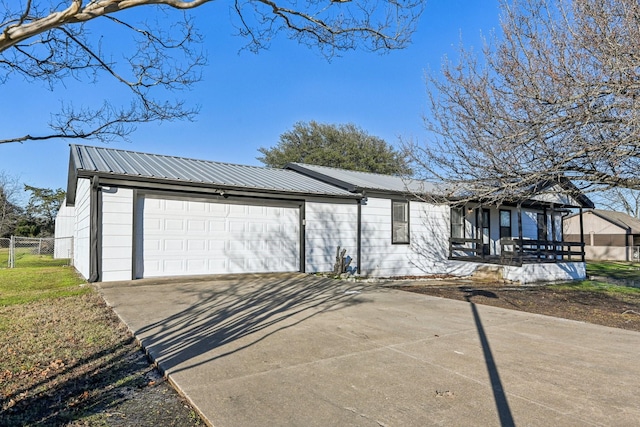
{"x": 519, "y": 210}
{"x": 480, "y": 216}
{"x": 451, "y": 230}
{"x": 553, "y": 231}
{"x": 581, "y": 235}
{"x": 546, "y": 233}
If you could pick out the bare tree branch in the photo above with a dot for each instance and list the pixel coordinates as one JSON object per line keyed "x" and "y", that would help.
{"x": 50, "y": 41}
{"x": 621, "y": 200}
{"x": 555, "y": 95}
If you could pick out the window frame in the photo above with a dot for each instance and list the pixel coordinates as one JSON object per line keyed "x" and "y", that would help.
{"x": 503, "y": 227}
{"x": 480, "y": 231}
{"x": 542, "y": 227}
{"x": 460, "y": 225}
{"x": 405, "y": 223}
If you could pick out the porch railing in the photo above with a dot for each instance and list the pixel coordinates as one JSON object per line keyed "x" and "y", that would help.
{"x": 514, "y": 251}
{"x": 541, "y": 250}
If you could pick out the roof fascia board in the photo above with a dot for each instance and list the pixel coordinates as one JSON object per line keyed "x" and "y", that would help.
{"x": 574, "y": 192}
{"x": 404, "y": 194}
{"x": 322, "y": 177}
{"x": 72, "y": 178}
{"x": 191, "y": 187}
{"x": 227, "y": 198}
{"x": 532, "y": 204}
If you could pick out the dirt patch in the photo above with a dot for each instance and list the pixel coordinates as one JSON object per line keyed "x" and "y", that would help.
{"x": 71, "y": 362}
{"x": 618, "y": 310}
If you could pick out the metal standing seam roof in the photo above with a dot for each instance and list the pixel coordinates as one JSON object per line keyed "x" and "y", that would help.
{"x": 88, "y": 159}
{"x": 366, "y": 181}
{"x": 357, "y": 181}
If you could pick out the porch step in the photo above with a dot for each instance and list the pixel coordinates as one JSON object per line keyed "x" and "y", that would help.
{"x": 489, "y": 273}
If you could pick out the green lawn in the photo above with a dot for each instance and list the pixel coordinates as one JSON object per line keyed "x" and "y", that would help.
{"x": 620, "y": 270}
{"x": 25, "y": 258}
{"x": 70, "y": 361}
{"x": 4, "y": 257}
{"x": 38, "y": 278}
{"x": 610, "y": 276}
{"x": 596, "y": 286}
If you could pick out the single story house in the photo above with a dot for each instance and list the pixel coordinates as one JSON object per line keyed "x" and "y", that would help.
{"x": 608, "y": 235}
{"x": 136, "y": 215}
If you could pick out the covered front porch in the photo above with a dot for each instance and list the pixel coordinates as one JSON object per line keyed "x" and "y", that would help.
{"x": 517, "y": 251}
{"x": 512, "y": 234}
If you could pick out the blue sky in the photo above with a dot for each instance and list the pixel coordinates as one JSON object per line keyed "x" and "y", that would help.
{"x": 248, "y": 100}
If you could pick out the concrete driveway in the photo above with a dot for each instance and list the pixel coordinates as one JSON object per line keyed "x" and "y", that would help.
{"x": 296, "y": 350}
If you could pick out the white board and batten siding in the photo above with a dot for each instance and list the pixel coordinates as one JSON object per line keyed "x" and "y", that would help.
{"x": 117, "y": 229}
{"x": 329, "y": 225}
{"x": 181, "y": 237}
{"x": 427, "y": 252}
{"x": 64, "y": 230}
{"x": 82, "y": 228}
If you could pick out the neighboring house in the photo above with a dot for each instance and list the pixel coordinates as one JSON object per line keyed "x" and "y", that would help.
{"x": 144, "y": 215}
{"x": 608, "y": 235}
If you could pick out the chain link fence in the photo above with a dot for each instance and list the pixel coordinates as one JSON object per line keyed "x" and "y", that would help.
{"x": 5, "y": 244}
{"x": 33, "y": 251}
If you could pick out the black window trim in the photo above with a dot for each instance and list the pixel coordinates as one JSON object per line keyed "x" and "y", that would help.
{"x": 510, "y": 223}
{"x": 542, "y": 228}
{"x": 407, "y": 206}
{"x": 461, "y": 209}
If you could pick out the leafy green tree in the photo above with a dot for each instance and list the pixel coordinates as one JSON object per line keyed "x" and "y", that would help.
{"x": 27, "y": 227}
{"x": 342, "y": 146}
{"x": 42, "y": 209}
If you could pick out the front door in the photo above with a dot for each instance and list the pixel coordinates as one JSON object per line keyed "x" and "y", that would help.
{"x": 483, "y": 221}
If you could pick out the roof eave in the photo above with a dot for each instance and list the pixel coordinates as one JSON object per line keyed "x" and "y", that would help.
{"x": 155, "y": 182}
{"x": 323, "y": 178}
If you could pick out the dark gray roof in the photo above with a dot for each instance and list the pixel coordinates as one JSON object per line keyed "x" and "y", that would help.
{"x": 87, "y": 161}
{"x": 359, "y": 181}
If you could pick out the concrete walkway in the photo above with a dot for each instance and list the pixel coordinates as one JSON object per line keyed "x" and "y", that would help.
{"x": 296, "y": 350}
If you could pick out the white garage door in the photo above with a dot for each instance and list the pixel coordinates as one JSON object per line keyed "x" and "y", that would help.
{"x": 185, "y": 237}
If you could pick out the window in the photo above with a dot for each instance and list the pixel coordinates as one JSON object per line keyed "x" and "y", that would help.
{"x": 399, "y": 221}
{"x": 505, "y": 224}
{"x": 457, "y": 223}
{"x": 483, "y": 224}
{"x": 542, "y": 226}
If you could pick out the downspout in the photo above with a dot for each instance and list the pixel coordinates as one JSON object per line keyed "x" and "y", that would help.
{"x": 95, "y": 231}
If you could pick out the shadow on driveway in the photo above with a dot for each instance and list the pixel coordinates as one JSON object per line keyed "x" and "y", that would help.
{"x": 305, "y": 350}
{"x": 218, "y": 315}
{"x": 499, "y": 395}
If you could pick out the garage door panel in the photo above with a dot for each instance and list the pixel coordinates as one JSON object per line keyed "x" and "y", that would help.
{"x": 196, "y": 237}
{"x": 196, "y": 207}
{"x": 217, "y": 225}
{"x": 174, "y": 205}
{"x": 196, "y": 226}
{"x": 196, "y": 245}
{"x": 236, "y": 227}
